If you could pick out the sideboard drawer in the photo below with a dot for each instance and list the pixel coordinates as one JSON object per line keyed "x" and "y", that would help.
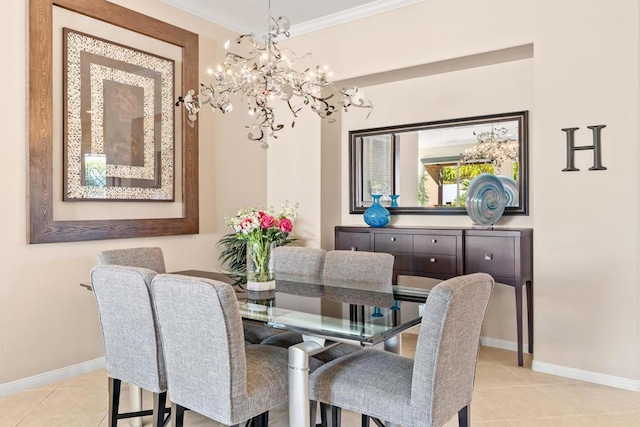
{"x": 403, "y": 262}
{"x": 434, "y": 264}
{"x": 492, "y": 255}
{"x": 352, "y": 241}
{"x": 391, "y": 242}
{"x": 433, "y": 244}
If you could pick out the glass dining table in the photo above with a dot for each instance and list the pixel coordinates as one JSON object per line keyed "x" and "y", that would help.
{"x": 326, "y": 312}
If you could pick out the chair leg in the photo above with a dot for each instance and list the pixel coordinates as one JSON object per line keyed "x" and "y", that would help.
{"x": 263, "y": 419}
{"x": 365, "y": 420}
{"x": 325, "y": 414}
{"x": 114, "y": 401}
{"x": 336, "y": 416}
{"x": 177, "y": 415}
{"x": 159, "y": 402}
{"x": 463, "y": 417}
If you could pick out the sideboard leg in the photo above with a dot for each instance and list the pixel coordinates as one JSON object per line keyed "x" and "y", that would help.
{"x": 530, "y": 314}
{"x": 519, "y": 321}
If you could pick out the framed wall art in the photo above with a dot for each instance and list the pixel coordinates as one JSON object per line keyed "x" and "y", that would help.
{"x": 114, "y": 136}
{"x": 118, "y": 121}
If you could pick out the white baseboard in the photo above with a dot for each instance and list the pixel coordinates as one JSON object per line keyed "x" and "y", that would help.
{"x": 51, "y": 376}
{"x": 503, "y": 344}
{"x": 563, "y": 371}
{"x": 588, "y": 376}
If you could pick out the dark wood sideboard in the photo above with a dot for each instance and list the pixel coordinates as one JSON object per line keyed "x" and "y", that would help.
{"x": 442, "y": 253}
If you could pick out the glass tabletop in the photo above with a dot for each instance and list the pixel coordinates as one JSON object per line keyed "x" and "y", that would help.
{"x": 334, "y": 309}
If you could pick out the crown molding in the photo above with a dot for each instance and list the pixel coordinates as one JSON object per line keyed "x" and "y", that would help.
{"x": 349, "y": 15}
{"x": 318, "y": 24}
{"x": 206, "y": 13}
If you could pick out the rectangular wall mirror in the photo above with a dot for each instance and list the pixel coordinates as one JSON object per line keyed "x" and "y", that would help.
{"x": 430, "y": 165}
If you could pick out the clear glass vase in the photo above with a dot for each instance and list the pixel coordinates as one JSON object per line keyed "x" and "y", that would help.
{"x": 261, "y": 274}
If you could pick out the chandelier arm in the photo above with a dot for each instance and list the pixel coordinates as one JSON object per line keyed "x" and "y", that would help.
{"x": 293, "y": 111}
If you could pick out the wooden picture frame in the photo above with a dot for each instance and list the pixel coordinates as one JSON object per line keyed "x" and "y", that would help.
{"x": 42, "y": 227}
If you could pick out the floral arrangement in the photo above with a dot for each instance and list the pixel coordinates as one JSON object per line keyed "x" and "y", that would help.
{"x": 261, "y": 228}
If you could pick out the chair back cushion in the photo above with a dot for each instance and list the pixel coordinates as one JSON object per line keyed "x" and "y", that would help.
{"x": 296, "y": 260}
{"x": 370, "y": 267}
{"x": 150, "y": 258}
{"x": 132, "y": 348}
{"x": 447, "y": 348}
{"x": 201, "y": 330}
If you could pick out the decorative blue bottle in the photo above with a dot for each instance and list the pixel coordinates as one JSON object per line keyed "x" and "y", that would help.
{"x": 394, "y": 200}
{"x": 376, "y": 215}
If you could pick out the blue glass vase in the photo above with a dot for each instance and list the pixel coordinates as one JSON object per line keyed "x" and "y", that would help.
{"x": 376, "y": 215}
{"x": 394, "y": 200}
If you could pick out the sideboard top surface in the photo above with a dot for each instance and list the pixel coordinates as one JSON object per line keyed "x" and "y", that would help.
{"x": 469, "y": 231}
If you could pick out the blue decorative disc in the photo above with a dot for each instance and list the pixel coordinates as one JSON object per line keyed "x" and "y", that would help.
{"x": 486, "y": 199}
{"x": 510, "y": 189}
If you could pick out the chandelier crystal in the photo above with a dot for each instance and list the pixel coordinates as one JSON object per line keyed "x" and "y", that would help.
{"x": 496, "y": 146}
{"x": 260, "y": 73}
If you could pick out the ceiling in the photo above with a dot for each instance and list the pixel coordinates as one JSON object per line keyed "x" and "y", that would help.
{"x": 250, "y": 16}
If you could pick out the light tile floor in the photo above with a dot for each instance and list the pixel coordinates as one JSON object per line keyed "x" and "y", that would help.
{"x": 505, "y": 395}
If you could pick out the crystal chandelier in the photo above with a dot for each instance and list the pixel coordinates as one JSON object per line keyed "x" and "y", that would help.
{"x": 496, "y": 146}
{"x": 263, "y": 73}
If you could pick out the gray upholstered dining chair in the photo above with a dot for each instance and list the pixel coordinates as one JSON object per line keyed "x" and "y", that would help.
{"x": 428, "y": 390}
{"x": 368, "y": 267}
{"x": 150, "y": 258}
{"x": 208, "y": 367}
{"x": 299, "y": 260}
{"x": 289, "y": 260}
{"x": 132, "y": 349}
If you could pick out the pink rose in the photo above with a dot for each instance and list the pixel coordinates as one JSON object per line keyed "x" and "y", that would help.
{"x": 285, "y": 225}
{"x": 245, "y": 223}
{"x": 267, "y": 221}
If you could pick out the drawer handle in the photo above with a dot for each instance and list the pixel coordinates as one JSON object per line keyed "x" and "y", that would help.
{"x": 434, "y": 240}
{"x": 393, "y": 239}
{"x": 432, "y": 260}
{"x": 488, "y": 257}
{"x": 354, "y": 248}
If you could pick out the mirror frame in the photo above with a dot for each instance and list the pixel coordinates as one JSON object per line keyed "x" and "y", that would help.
{"x": 523, "y": 159}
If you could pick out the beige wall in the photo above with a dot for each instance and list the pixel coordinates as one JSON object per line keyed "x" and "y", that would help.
{"x": 47, "y": 321}
{"x": 583, "y": 71}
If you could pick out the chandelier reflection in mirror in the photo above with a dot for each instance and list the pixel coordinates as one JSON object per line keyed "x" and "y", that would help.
{"x": 496, "y": 146}
{"x": 263, "y": 73}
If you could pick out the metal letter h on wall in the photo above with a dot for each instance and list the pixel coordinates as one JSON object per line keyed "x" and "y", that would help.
{"x": 571, "y": 149}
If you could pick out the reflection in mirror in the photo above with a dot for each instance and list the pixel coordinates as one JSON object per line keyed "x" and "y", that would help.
{"x": 378, "y": 154}
{"x": 430, "y": 165}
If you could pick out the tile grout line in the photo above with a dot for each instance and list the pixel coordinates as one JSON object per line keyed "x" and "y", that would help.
{"x": 24, "y": 417}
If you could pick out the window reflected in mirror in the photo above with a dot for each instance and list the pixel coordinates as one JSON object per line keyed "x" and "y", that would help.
{"x": 430, "y": 165}
{"x": 378, "y": 154}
